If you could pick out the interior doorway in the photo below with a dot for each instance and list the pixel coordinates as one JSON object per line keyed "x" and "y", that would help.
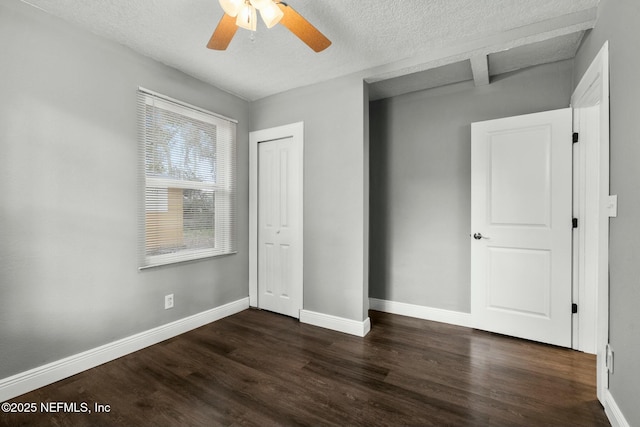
{"x": 276, "y": 219}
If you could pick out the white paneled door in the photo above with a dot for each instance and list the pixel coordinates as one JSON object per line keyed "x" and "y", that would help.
{"x": 521, "y": 226}
{"x": 280, "y": 226}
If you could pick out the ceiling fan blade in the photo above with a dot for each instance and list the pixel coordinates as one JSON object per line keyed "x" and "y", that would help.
{"x": 223, "y": 34}
{"x": 303, "y": 29}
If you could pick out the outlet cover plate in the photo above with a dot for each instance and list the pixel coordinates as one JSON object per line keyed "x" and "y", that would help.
{"x": 609, "y": 358}
{"x": 168, "y": 301}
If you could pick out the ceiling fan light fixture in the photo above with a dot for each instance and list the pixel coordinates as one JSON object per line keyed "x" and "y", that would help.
{"x": 271, "y": 14}
{"x": 231, "y": 7}
{"x": 247, "y": 16}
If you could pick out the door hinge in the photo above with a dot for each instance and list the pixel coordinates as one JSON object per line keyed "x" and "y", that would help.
{"x": 574, "y": 222}
{"x": 574, "y": 308}
{"x": 575, "y": 137}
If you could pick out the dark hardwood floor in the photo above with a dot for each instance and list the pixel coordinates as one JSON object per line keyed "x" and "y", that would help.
{"x": 260, "y": 369}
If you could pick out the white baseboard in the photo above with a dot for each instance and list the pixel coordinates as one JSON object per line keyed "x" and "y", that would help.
{"x": 616, "y": 418}
{"x": 336, "y": 323}
{"x": 41, "y": 376}
{"x": 421, "y": 312}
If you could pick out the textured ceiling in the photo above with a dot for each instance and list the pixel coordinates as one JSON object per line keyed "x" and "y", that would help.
{"x": 551, "y": 50}
{"x": 527, "y": 55}
{"x": 428, "y": 79}
{"x": 380, "y": 39}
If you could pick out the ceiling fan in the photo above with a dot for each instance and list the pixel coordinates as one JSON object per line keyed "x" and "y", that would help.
{"x": 242, "y": 13}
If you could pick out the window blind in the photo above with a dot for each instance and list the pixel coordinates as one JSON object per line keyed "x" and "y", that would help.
{"x": 187, "y": 173}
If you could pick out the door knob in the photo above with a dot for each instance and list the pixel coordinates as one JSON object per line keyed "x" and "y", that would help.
{"x": 479, "y": 236}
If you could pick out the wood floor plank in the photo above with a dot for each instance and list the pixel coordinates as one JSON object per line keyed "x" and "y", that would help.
{"x": 257, "y": 368}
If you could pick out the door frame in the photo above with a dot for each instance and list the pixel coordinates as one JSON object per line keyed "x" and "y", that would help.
{"x": 593, "y": 320}
{"x": 295, "y": 131}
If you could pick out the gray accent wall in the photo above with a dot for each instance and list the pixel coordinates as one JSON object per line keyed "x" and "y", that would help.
{"x": 421, "y": 180}
{"x": 334, "y": 189}
{"x": 618, "y": 23}
{"x": 69, "y": 280}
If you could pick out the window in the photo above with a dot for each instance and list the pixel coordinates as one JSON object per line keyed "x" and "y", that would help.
{"x": 187, "y": 175}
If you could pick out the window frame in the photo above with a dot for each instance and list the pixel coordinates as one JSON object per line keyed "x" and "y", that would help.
{"x": 223, "y": 188}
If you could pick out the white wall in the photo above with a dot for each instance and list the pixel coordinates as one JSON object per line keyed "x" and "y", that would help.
{"x": 68, "y": 228}
{"x": 618, "y": 23}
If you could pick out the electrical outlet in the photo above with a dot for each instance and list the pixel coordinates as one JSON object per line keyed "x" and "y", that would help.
{"x": 168, "y": 301}
{"x": 609, "y": 359}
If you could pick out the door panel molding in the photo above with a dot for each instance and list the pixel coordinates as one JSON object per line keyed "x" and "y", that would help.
{"x": 521, "y": 226}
